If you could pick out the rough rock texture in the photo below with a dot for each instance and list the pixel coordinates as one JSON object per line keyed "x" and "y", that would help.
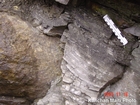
{"x": 50, "y": 20}
{"x": 129, "y": 85}
{"x": 29, "y": 61}
{"x": 89, "y": 64}
{"x": 135, "y": 61}
{"x": 88, "y": 57}
{"x": 134, "y": 30}
{"x": 135, "y": 67}
{"x": 128, "y": 88}
{"x": 13, "y": 101}
{"x": 94, "y": 61}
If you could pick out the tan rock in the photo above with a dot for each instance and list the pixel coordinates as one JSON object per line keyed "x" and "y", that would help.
{"x": 28, "y": 61}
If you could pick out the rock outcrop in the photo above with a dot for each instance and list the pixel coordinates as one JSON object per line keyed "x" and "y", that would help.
{"x": 29, "y": 61}
{"x": 94, "y": 62}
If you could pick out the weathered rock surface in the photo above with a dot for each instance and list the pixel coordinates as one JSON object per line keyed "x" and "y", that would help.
{"x": 92, "y": 62}
{"x": 54, "y": 31}
{"x": 13, "y": 101}
{"x": 63, "y": 1}
{"x": 29, "y": 61}
{"x": 135, "y": 61}
{"x": 129, "y": 86}
{"x": 88, "y": 60}
{"x": 134, "y": 30}
{"x": 128, "y": 89}
{"x": 50, "y": 20}
{"x": 135, "y": 68}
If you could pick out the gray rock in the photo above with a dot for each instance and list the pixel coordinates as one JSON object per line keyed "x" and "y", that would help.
{"x": 54, "y": 31}
{"x": 135, "y": 61}
{"x": 134, "y": 30}
{"x": 65, "y": 2}
{"x": 92, "y": 62}
{"x": 36, "y": 22}
{"x": 53, "y": 96}
{"x": 67, "y": 79}
{"x": 128, "y": 88}
{"x": 13, "y": 101}
{"x": 89, "y": 59}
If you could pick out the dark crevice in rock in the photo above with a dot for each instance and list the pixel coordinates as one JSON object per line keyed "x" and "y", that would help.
{"x": 112, "y": 36}
{"x": 110, "y": 83}
{"x": 124, "y": 8}
{"x": 102, "y": 5}
{"x": 134, "y": 1}
{"x": 54, "y": 31}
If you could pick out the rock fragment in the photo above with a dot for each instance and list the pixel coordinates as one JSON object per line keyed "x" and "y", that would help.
{"x": 65, "y": 2}
{"x": 134, "y": 30}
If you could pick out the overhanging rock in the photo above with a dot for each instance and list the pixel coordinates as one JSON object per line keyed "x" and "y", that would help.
{"x": 65, "y": 2}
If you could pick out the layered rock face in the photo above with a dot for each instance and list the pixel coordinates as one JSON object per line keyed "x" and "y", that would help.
{"x": 88, "y": 57}
{"x": 52, "y": 38}
{"x": 93, "y": 64}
